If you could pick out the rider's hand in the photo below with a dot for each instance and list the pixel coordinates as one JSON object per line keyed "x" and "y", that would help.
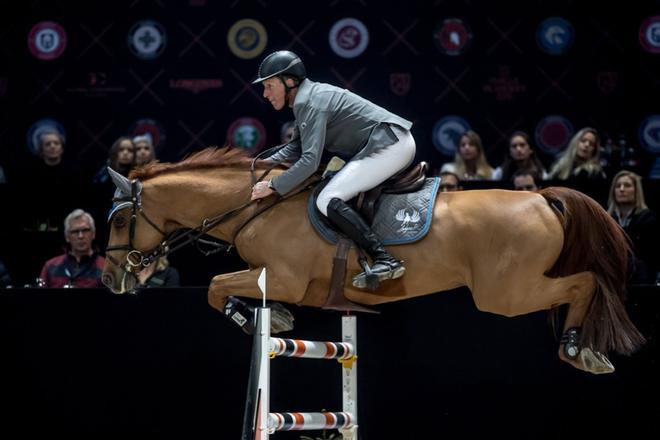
{"x": 261, "y": 190}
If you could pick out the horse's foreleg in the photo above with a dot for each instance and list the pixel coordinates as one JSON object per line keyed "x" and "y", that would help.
{"x": 582, "y": 289}
{"x": 242, "y": 283}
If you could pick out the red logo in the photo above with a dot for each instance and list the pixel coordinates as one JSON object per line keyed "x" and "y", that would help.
{"x": 452, "y": 36}
{"x": 47, "y": 40}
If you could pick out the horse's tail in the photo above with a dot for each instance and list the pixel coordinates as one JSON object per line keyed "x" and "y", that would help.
{"x": 594, "y": 242}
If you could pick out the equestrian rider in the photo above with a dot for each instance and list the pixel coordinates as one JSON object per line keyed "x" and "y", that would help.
{"x": 377, "y": 143}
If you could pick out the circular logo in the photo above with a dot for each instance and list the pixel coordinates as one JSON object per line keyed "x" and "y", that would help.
{"x": 649, "y": 134}
{"x": 151, "y": 126}
{"x": 38, "y": 128}
{"x": 247, "y": 133}
{"x": 649, "y": 34}
{"x": 47, "y": 40}
{"x": 554, "y": 35}
{"x": 447, "y": 134}
{"x": 553, "y": 133}
{"x": 247, "y": 38}
{"x": 452, "y": 36}
{"x": 147, "y": 39}
{"x": 349, "y": 37}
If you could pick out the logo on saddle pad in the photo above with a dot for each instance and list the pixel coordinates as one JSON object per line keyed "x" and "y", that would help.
{"x": 409, "y": 221}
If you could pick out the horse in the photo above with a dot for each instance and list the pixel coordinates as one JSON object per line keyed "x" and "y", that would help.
{"x": 518, "y": 252}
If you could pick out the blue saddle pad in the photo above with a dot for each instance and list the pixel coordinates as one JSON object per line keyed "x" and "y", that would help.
{"x": 399, "y": 219}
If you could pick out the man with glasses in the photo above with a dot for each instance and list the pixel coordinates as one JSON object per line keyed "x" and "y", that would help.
{"x": 80, "y": 265}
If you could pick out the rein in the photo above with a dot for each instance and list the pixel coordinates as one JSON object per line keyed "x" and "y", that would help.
{"x": 136, "y": 260}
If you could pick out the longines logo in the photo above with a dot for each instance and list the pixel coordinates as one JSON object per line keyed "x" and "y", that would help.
{"x": 504, "y": 87}
{"x": 196, "y": 85}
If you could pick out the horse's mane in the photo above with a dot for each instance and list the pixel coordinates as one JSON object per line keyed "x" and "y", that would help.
{"x": 212, "y": 157}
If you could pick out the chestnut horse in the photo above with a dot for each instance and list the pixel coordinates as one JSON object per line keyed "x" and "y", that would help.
{"x": 518, "y": 252}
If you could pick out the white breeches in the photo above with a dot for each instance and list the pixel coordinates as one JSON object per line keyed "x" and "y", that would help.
{"x": 364, "y": 174}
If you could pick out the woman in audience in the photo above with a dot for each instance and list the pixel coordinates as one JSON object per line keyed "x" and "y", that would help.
{"x": 628, "y": 207}
{"x": 470, "y": 162}
{"x": 581, "y": 159}
{"x": 521, "y": 157}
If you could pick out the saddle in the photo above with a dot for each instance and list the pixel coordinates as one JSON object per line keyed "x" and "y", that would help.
{"x": 410, "y": 180}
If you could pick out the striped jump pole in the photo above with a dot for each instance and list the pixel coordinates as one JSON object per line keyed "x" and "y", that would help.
{"x": 258, "y": 421}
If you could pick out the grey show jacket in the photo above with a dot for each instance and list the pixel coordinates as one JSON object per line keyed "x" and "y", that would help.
{"x": 337, "y": 120}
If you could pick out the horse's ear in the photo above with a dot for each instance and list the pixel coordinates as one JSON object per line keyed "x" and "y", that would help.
{"x": 121, "y": 182}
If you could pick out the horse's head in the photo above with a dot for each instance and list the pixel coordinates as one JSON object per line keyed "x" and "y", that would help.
{"x": 135, "y": 236}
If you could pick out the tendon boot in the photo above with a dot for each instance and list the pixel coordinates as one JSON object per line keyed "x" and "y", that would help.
{"x": 384, "y": 267}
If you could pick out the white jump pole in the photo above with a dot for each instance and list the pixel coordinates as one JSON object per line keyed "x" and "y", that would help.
{"x": 258, "y": 422}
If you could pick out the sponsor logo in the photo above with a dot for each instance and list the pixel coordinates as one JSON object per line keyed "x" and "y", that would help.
{"x": 47, "y": 40}
{"x": 195, "y": 85}
{"x": 607, "y": 82}
{"x": 649, "y": 134}
{"x": 649, "y": 34}
{"x": 147, "y": 39}
{"x": 553, "y": 133}
{"x": 554, "y": 35}
{"x": 452, "y": 36}
{"x": 247, "y": 38}
{"x": 38, "y": 128}
{"x": 409, "y": 219}
{"x": 349, "y": 37}
{"x": 447, "y": 134}
{"x": 96, "y": 85}
{"x": 151, "y": 126}
{"x": 247, "y": 133}
{"x": 400, "y": 83}
{"x": 504, "y": 87}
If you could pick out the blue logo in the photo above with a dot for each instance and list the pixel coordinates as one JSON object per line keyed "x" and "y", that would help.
{"x": 555, "y": 35}
{"x": 447, "y": 134}
{"x": 649, "y": 134}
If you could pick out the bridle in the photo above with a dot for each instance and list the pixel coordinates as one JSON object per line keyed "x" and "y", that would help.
{"x": 136, "y": 260}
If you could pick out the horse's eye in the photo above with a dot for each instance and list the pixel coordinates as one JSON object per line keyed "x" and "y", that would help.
{"x": 119, "y": 221}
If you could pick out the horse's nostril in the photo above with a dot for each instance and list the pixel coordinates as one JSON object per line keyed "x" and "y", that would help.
{"x": 107, "y": 279}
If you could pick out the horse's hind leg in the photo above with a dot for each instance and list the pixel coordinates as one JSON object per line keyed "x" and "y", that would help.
{"x": 581, "y": 288}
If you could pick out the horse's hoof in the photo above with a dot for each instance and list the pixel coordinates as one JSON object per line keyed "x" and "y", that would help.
{"x": 281, "y": 320}
{"x": 594, "y": 362}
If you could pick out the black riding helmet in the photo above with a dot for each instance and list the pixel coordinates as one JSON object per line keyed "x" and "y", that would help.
{"x": 282, "y": 63}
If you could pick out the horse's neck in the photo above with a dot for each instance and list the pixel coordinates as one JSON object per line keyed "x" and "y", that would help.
{"x": 186, "y": 199}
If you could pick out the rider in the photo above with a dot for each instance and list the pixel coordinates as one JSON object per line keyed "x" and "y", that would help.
{"x": 377, "y": 143}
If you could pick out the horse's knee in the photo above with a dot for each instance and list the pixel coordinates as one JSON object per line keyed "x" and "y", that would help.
{"x": 216, "y": 298}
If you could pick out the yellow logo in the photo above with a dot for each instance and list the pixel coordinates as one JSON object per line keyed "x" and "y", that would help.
{"x": 247, "y": 38}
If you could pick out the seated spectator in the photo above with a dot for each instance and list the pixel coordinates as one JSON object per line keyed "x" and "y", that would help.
{"x": 449, "y": 182}
{"x": 521, "y": 157}
{"x": 470, "y": 161}
{"x": 580, "y": 161}
{"x": 144, "y": 149}
{"x": 121, "y": 159}
{"x": 80, "y": 265}
{"x": 628, "y": 207}
{"x": 286, "y": 132}
{"x": 159, "y": 274}
{"x": 525, "y": 180}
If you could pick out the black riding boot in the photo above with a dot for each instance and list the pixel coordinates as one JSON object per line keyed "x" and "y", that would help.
{"x": 384, "y": 266}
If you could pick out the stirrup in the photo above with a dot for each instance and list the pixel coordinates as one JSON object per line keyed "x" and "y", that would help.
{"x": 371, "y": 280}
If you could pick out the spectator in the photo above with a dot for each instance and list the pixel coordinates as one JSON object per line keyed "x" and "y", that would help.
{"x": 51, "y": 169}
{"x": 581, "y": 159}
{"x": 470, "y": 160}
{"x": 449, "y": 182}
{"x": 121, "y": 159}
{"x": 287, "y": 131}
{"x": 627, "y": 205}
{"x": 525, "y": 180}
{"x": 521, "y": 157}
{"x": 159, "y": 274}
{"x": 80, "y": 265}
{"x": 144, "y": 149}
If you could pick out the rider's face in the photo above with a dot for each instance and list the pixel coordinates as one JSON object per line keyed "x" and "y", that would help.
{"x": 274, "y": 93}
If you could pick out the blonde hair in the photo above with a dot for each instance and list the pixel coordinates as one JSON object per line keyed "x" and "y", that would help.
{"x": 640, "y": 202}
{"x": 565, "y": 166}
{"x": 483, "y": 168}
